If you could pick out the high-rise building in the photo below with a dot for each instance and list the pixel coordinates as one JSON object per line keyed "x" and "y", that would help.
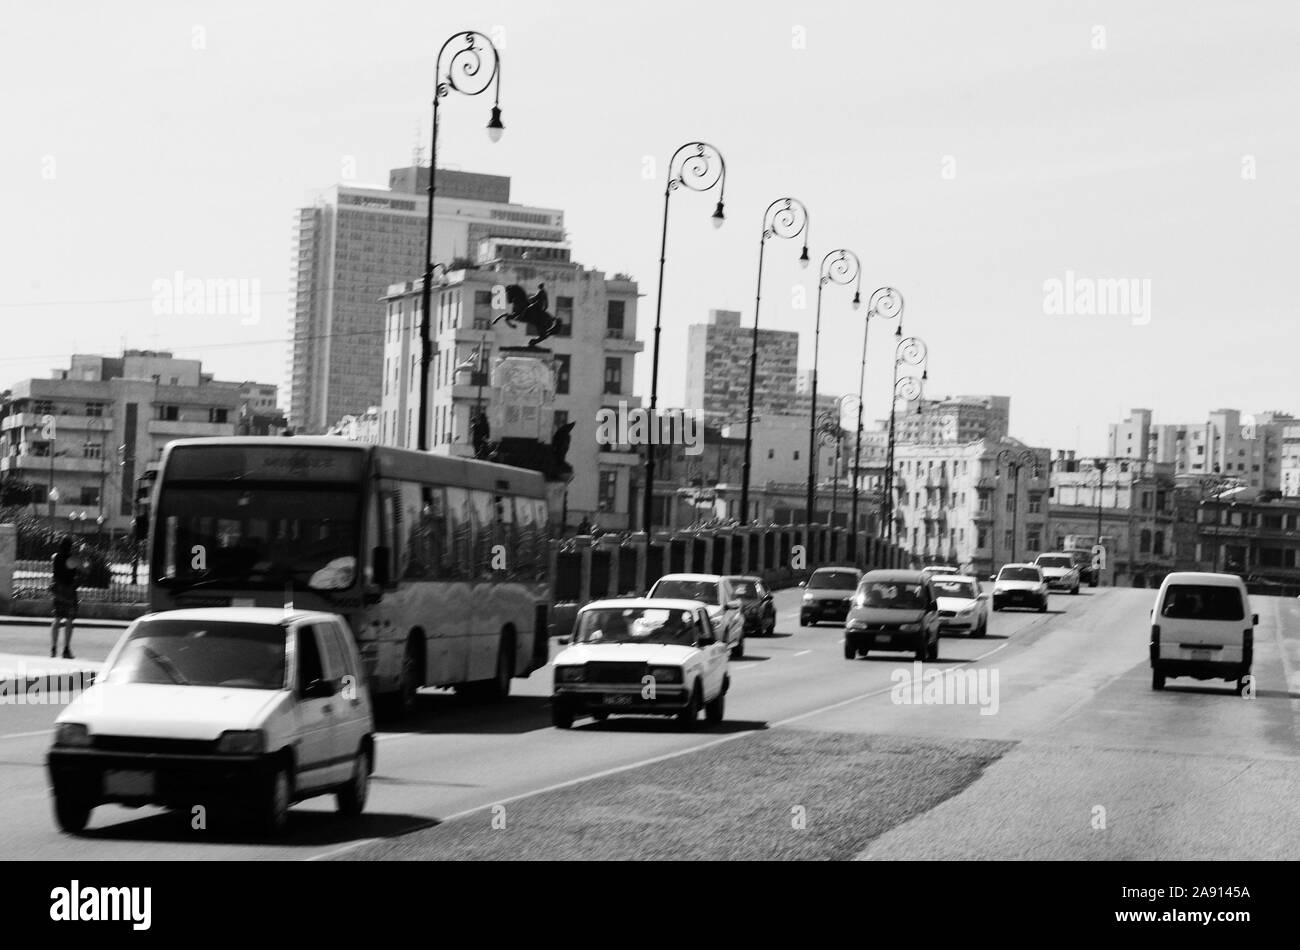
{"x": 356, "y": 241}
{"x": 1229, "y": 442}
{"x": 717, "y": 369}
{"x": 953, "y": 419}
{"x": 112, "y": 417}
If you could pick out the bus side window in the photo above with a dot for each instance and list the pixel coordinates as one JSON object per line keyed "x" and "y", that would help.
{"x": 374, "y": 532}
{"x": 505, "y": 535}
{"x": 433, "y": 531}
{"x": 391, "y": 503}
{"x": 415, "y": 544}
{"x": 459, "y": 563}
{"x": 525, "y": 566}
{"x": 484, "y": 534}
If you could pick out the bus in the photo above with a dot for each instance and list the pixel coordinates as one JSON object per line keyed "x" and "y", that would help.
{"x": 440, "y": 565}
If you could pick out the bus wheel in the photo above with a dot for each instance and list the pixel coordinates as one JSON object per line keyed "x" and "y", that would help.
{"x": 409, "y": 681}
{"x": 498, "y": 688}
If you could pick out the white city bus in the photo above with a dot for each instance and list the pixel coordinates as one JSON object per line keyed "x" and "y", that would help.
{"x": 440, "y": 565}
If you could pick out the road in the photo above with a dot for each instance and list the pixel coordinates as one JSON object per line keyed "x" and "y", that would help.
{"x": 1099, "y": 766}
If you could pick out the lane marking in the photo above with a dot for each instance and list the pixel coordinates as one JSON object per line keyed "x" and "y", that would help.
{"x": 27, "y": 735}
{"x": 654, "y": 760}
{"x": 803, "y": 652}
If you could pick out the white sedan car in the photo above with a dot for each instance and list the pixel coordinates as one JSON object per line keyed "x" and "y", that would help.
{"x": 1059, "y": 571}
{"x": 963, "y": 607}
{"x": 642, "y": 656}
{"x": 249, "y": 707}
{"x": 1020, "y": 585}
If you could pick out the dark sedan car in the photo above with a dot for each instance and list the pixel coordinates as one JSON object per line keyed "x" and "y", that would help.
{"x": 756, "y": 604}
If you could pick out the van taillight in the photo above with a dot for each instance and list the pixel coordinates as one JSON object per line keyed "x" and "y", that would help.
{"x": 1155, "y": 642}
{"x": 1248, "y": 646}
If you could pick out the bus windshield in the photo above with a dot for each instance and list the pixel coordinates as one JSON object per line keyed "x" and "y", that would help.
{"x": 258, "y": 537}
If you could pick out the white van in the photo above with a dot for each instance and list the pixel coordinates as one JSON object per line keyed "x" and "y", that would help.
{"x": 1202, "y": 627}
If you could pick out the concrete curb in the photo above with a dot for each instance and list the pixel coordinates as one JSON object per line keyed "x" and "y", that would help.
{"x": 10, "y": 621}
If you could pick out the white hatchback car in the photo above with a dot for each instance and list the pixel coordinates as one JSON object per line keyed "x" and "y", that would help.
{"x": 642, "y": 656}
{"x": 251, "y": 707}
{"x": 963, "y": 607}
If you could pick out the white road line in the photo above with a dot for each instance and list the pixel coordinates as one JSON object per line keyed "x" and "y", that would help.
{"x": 27, "y": 735}
{"x": 605, "y": 773}
{"x": 803, "y": 653}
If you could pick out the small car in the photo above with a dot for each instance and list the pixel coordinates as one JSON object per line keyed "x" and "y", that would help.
{"x": 757, "y": 604}
{"x": 1059, "y": 571}
{"x": 893, "y": 610}
{"x": 726, "y": 610}
{"x": 1199, "y": 629}
{"x": 655, "y": 656}
{"x": 828, "y": 593}
{"x": 252, "y": 707}
{"x": 1020, "y": 585}
{"x": 963, "y": 607}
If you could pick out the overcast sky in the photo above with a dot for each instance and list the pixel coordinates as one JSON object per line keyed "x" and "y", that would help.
{"x": 968, "y": 153}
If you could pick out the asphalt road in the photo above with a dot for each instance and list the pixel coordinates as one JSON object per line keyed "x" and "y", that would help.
{"x": 1193, "y": 771}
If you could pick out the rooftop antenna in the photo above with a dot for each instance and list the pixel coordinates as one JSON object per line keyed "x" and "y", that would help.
{"x": 417, "y": 151}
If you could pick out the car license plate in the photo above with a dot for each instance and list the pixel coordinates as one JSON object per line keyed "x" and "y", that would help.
{"x": 128, "y": 782}
{"x": 1200, "y": 654}
{"x": 618, "y": 699}
{"x": 883, "y": 638}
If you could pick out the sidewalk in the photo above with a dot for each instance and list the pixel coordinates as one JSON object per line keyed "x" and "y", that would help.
{"x": 6, "y": 620}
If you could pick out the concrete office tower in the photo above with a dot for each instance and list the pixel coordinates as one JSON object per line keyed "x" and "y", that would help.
{"x": 356, "y": 241}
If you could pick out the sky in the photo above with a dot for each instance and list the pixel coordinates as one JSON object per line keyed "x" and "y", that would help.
{"x": 993, "y": 162}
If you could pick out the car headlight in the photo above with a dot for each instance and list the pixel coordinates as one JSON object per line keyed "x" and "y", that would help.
{"x": 966, "y": 610}
{"x": 73, "y": 735}
{"x": 241, "y": 742}
{"x": 807, "y": 598}
{"x": 910, "y": 628}
{"x": 666, "y": 674}
{"x": 570, "y": 674}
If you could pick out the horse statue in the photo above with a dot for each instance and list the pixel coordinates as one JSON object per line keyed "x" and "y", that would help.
{"x": 532, "y": 311}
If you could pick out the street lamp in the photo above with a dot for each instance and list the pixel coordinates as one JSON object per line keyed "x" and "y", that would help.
{"x": 886, "y": 303}
{"x": 471, "y": 69}
{"x": 1101, "y": 465}
{"x": 840, "y": 266}
{"x": 831, "y": 428}
{"x": 910, "y": 351}
{"x": 698, "y": 166}
{"x": 784, "y": 218}
{"x": 1015, "y": 461}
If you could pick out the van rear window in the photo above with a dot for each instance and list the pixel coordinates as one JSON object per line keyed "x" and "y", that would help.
{"x": 1202, "y": 602}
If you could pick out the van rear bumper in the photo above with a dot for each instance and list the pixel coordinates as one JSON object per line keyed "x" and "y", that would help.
{"x": 1202, "y": 669}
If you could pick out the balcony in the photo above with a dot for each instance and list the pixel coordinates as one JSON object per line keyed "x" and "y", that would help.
{"x": 33, "y": 465}
{"x": 621, "y": 343}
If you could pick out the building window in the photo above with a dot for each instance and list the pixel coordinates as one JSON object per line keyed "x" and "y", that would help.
{"x": 1011, "y": 503}
{"x": 608, "y": 490}
{"x": 1158, "y": 544}
{"x": 564, "y": 313}
{"x": 561, "y": 374}
{"x": 1008, "y": 537}
{"x": 43, "y": 407}
{"x": 218, "y": 416}
{"x": 92, "y": 450}
{"x": 771, "y": 453}
{"x": 561, "y": 418}
{"x": 613, "y": 375}
{"x": 796, "y": 455}
{"x": 1035, "y": 504}
{"x": 982, "y": 537}
{"x": 614, "y": 319}
{"x": 983, "y": 504}
{"x": 89, "y": 495}
{"x": 169, "y": 413}
{"x": 1031, "y": 541}
{"x": 95, "y": 409}
{"x": 482, "y": 309}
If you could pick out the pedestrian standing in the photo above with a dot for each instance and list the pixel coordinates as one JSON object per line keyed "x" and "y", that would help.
{"x": 64, "y": 588}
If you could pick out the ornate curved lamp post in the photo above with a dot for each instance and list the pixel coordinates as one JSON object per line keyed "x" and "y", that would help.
{"x": 885, "y": 303}
{"x": 910, "y": 351}
{"x": 471, "y": 69}
{"x": 698, "y": 166}
{"x": 784, "y": 218}
{"x": 1014, "y": 460}
{"x": 840, "y": 266}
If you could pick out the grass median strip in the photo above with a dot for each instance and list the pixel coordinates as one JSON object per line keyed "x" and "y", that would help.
{"x": 784, "y": 794}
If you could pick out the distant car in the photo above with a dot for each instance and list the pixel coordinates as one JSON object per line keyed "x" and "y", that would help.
{"x": 932, "y": 570}
{"x": 252, "y": 707}
{"x": 644, "y": 656}
{"x": 963, "y": 607}
{"x": 1198, "y": 629}
{"x": 827, "y": 594}
{"x": 757, "y": 604}
{"x": 726, "y": 610}
{"x": 893, "y": 610}
{"x": 1059, "y": 571}
{"x": 1083, "y": 562}
{"x": 1020, "y": 585}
